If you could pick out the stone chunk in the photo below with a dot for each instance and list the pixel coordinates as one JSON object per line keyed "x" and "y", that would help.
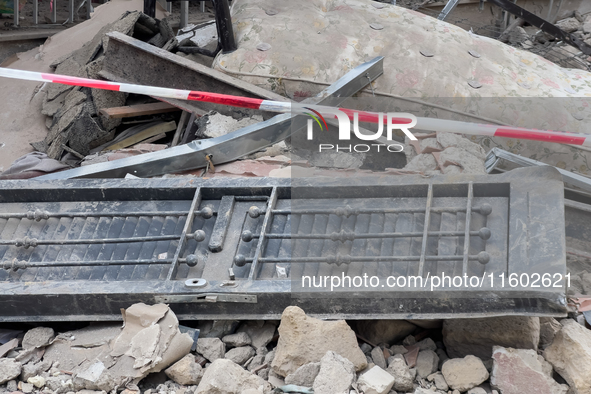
{"x": 384, "y": 331}
{"x": 335, "y": 376}
{"x": 464, "y": 373}
{"x": 427, "y": 344}
{"x": 375, "y": 381}
{"x": 427, "y": 363}
{"x": 260, "y": 336}
{"x": 477, "y": 337}
{"x": 186, "y": 371}
{"x": 517, "y": 371}
{"x": 549, "y": 327}
{"x": 240, "y": 355}
{"x": 38, "y": 337}
{"x": 304, "y": 376}
{"x": 226, "y": 377}
{"x": 304, "y": 339}
{"x": 377, "y": 355}
{"x": 237, "y": 340}
{"x": 403, "y": 379}
{"x": 9, "y": 369}
{"x": 569, "y": 25}
{"x": 211, "y": 348}
{"x": 570, "y": 355}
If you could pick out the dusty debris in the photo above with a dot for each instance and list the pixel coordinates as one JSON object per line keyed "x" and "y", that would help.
{"x": 240, "y": 355}
{"x": 570, "y": 355}
{"x": 260, "y": 334}
{"x": 464, "y": 373}
{"x": 427, "y": 363}
{"x": 237, "y": 340}
{"x": 477, "y": 336}
{"x": 304, "y": 339}
{"x": 517, "y": 371}
{"x": 214, "y": 124}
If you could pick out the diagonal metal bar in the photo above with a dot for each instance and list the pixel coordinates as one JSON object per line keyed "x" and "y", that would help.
{"x": 228, "y": 147}
{"x": 449, "y": 7}
{"x": 426, "y": 229}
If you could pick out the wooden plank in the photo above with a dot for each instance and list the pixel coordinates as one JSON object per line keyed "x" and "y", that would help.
{"x": 144, "y": 134}
{"x": 129, "y": 111}
{"x": 152, "y": 139}
{"x": 180, "y": 128}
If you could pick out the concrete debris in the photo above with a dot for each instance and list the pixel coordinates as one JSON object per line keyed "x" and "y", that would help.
{"x": 9, "y": 369}
{"x": 37, "y": 381}
{"x": 186, "y": 371}
{"x": 377, "y": 355}
{"x": 517, "y": 371}
{"x": 149, "y": 342}
{"x": 336, "y": 374}
{"x": 260, "y": 335}
{"x": 211, "y": 348}
{"x": 569, "y": 25}
{"x": 237, "y": 340}
{"x": 227, "y": 377}
{"x": 304, "y": 375}
{"x": 478, "y": 336}
{"x": 427, "y": 344}
{"x": 375, "y": 381}
{"x": 570, "y": 355}
{"x": 38, "y": 337}
{"x": 403, "y": 379}
{"x": 213, "y": 124}
{"x": 549, "y": 327}
{"x": 439, "y": 381}
{"x": 304, "y": 339}
{"x": 427, "y": 363}
{"x": 464, "y": 373}
{"x": 384, "y": 331}
{"x": 240, "y": 355}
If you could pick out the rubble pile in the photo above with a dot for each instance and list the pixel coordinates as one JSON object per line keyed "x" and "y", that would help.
{"x": 497, "y": 355}
{"x": 533, "y": 39}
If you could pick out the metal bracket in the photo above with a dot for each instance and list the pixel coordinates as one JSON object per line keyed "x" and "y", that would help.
{"x": 206, "y": 297}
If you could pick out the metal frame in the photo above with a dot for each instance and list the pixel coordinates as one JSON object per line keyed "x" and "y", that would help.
{"x": 230, "y": 146}
{"x": 449, "y": 7}
{"x": 496, "y": 155}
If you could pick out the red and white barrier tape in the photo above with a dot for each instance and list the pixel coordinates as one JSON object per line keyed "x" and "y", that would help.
{"x": 424, "y": 124}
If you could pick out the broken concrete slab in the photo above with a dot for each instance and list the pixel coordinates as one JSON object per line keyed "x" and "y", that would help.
{"x": 213, "y": 124}
{"x": 149, "y": 342}
{"x": 227, "y": 377}
{"x": 516, "y": 371}
{"x": 464, "y": 373}
{"x": 477, "y": 336}
{"x": 303, "y": 339}
{"x": 237, "y": 340}
{"x": 427, "y": 363}
{"x": 570, "y": 355}
{"x": 335, "y": 376}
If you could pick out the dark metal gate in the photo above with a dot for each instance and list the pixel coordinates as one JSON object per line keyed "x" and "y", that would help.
{"x": 245, "y": 248}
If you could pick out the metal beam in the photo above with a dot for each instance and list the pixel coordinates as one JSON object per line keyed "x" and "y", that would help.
{"x": 126, "y": 55}
{"x": 495, "y": 155}
{"x": 231, "y": 146}
{"x": 451, "y": 4}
